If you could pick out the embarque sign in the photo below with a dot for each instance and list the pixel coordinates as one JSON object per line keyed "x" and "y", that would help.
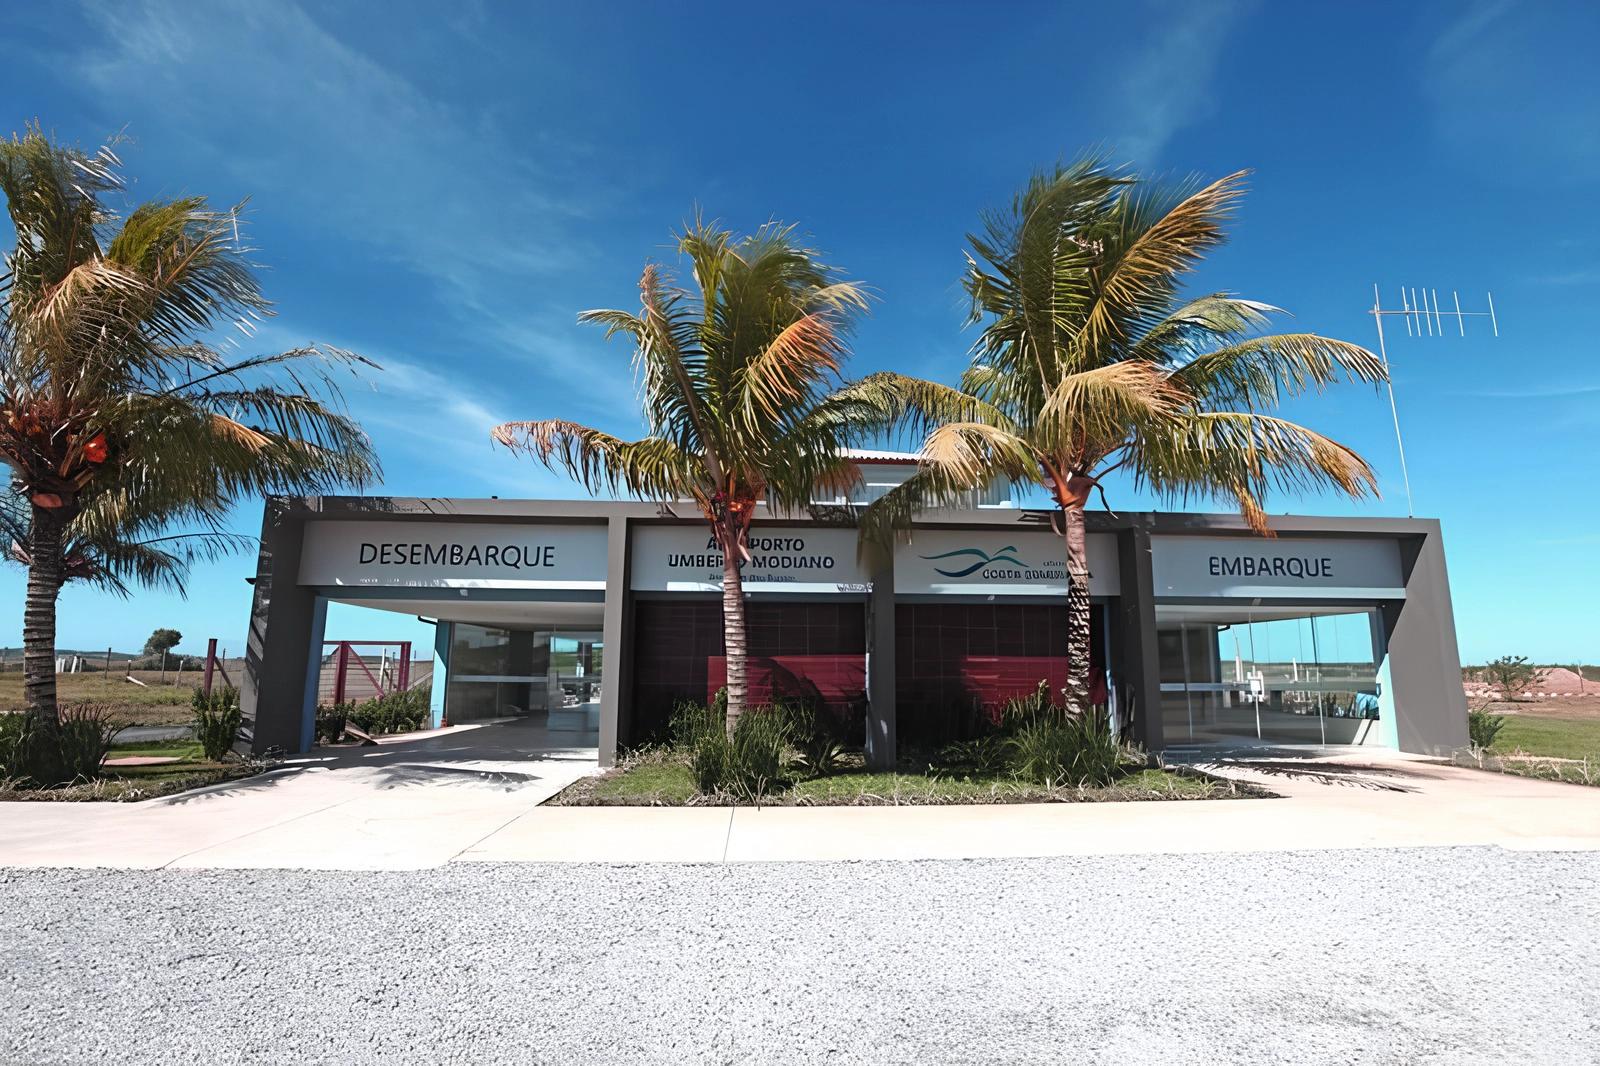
{"x": 1283, "y": 566}
{"x": 793, "y": 559}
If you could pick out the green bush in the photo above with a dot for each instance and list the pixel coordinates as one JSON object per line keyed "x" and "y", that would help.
{"x": 329, "y": 726}
{"x": 396, "y": 712}
{"x": 1483, "y": 727}
{"x": 820, "y": 755}
{"x": 16, "y": 741}
{"x": 83, "y": 738}
{"x": 690, "y": 721}
{"x": 1050, "y": 747}
{"x": 748, "y": 764}
{"x": 710, "y": 761}
{"x": 760, "y": 741}
{"x": 984, "y": 755}
{"x": 32, "y": 758}
{"x": 216, "y": 720}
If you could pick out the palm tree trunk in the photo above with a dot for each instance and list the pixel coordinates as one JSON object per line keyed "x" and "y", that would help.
{"x": 1079, "y": 639}
{"x": 39, "y": 616}
{"x": 735, "y": 645}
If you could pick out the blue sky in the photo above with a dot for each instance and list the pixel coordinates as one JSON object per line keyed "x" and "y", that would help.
{"x": 443, "y": 187}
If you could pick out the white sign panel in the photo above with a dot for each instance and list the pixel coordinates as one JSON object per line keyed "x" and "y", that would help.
{"x": 422, "y": 554}
{"x": 782, "y": 559}
{"x": 1244, "y": 567}
{"x": 1000, "y": 562}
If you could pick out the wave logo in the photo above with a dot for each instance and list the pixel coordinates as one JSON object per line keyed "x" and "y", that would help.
{"x": 981, "y": 557}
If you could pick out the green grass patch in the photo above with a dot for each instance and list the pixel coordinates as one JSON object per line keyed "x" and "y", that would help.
{"x": 182, "y": 749}
{"x": 133, "y": 783}
{"x": 1558, "y": 738}
{"x": 662, "y": 778}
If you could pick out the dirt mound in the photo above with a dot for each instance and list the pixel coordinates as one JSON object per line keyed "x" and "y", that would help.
{"x": 1559, "y": 681}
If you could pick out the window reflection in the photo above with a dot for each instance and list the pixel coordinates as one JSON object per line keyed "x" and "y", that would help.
{"x": 509, "y": 672}
{"x": 1283, "y": 675}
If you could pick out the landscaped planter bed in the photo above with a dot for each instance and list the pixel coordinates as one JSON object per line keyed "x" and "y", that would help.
{"x": 663, "y": 779}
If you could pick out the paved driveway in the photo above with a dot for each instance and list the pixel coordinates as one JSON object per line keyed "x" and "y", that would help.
{"x": 474, "y": 795}
{"x": 405, "y": 804}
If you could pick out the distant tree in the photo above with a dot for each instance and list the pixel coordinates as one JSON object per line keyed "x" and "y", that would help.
{"x": 1511, "y": 676}
{"x": 162, "y": 640}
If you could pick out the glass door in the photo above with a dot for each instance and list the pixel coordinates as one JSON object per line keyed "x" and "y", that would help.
{"x": 1268, "y": 675}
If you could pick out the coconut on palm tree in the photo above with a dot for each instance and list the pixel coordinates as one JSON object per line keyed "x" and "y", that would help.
{"x": 735, "y": 375}
{"x": 119, "y": 416}
{"x": 1092, "y": 360}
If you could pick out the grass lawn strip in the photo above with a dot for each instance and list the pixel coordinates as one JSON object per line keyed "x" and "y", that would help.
{"x": 1559, "y": 738}
{"x": 131, "y": 783}
{"x": 660, "y": 779}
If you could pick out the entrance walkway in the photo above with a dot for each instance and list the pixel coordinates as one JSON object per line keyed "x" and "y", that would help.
{"x": 408, "y": 803}
{"x": 457, "y": 797}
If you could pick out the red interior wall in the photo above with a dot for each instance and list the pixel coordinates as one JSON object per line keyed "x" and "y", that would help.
{"x": 795, "y": 648}
{"x": 957, "y": 664}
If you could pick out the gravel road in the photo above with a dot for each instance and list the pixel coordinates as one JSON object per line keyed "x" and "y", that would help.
{"x": 1461, "y": 955}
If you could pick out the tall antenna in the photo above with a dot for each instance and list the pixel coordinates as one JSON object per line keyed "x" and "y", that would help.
{"x": 1421, "y": 320}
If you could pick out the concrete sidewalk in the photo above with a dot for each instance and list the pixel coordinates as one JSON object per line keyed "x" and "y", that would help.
{"x": 456, "y": 798}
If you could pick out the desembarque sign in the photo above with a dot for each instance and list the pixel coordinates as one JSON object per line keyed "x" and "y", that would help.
{"x": 1004, "y": 562}
{"x": 454, "y": 555}
{"x": 1315, "y": 567}
{"x": 782, "y": 559}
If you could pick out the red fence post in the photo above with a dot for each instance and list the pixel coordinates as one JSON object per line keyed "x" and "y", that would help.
{"x": 405, "y": 666}
{"x": 211, "y": 663}
{"x": 338, "y": 672}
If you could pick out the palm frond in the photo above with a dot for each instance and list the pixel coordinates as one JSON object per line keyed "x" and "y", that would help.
{"x": 1257, "y": 373}
{"x": 1241, "y": 456}
{"x": 651, "y": 468}
{"x": 1152, "y": 236}
{"x": 1092, "y": 412}
{"x": 1199, "y": 325}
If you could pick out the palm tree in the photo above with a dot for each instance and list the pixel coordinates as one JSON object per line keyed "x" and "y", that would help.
{"x": 119, "y": 552}
{"x": 1090, "y": 361}
{"x": 118, "y": 416}
{"x": 733, "y": 378}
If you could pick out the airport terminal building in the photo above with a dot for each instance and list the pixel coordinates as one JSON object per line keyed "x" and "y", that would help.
{"x": 592, "y": 619}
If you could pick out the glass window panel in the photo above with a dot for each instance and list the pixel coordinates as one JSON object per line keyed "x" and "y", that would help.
{"x": 1268, "y": 675}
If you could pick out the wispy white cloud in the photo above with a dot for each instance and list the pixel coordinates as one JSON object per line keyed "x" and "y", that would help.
{"x": 1534, "y": 392}
{"x": 1590, "y": 276}
{"x": 1166, "y": 85}
{"x": 1512, "y": 90}
{"x": 356, "y": 150}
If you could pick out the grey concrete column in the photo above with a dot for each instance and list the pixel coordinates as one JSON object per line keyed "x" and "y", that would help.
{"x": 1133, "y": 622}
{"x": 275, "y": 670}
{"x": 881, "y": 696}
{"x": 616, "y": 687}
{"x": 1424, "y": 662}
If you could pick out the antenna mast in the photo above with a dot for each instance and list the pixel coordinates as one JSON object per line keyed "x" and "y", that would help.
{"x": 1419, "y": 317}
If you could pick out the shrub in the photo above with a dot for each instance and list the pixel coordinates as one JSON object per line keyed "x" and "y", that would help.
{"x": 216, "y": 720}
{"x": 395, "y": 712}
{"x": 1483, "y": 727}
{"x": 329, "y": 726}
{"x": 760, "y": 740}
{"x": 820, "y": 755}
{"x": 1050, "y": 747}
{"x": 31, "y": 758}
{"x": 16, "y": 739}
{"x": 82, "y": 740}
{"x": 690, "y": 721}
{"x": 1511, "y": 675}
{"x": 710, "y": 759}
{"x": 984, "y": 755}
